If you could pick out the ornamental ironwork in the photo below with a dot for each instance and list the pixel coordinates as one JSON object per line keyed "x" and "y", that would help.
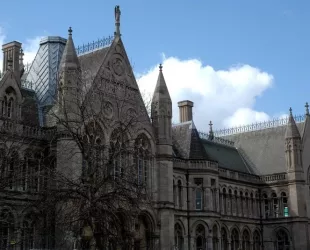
{"x": 257, "y": 126}
{"x": 216, "y": 139}
{"x": 92, "y": 46}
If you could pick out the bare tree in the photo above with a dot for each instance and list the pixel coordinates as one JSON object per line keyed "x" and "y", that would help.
{"x": 100, "y": 181}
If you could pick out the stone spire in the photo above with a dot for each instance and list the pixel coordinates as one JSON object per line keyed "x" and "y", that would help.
{"x": 161, "y": 112}
{"x": 69, "y": 82}
{"x": 291, "y": 128}
{"x": 69, "y": 60}
{"x": 117, "y": 13}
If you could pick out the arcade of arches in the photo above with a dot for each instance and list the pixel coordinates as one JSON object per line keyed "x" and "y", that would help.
{"x": 224, "y": 239}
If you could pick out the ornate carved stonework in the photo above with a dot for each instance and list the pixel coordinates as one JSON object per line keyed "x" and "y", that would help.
{"x": 118, "y": 66}
{"x": 108, "y": 110}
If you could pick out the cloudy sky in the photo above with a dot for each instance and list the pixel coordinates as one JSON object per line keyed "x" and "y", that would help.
{"x": 238, "y": 61}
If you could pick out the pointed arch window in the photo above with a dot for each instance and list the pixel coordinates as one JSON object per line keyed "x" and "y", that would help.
{"x": 275, "y": 205}
{"x": 246, "y": 240}
{"x": 282, "y": 240}
{"x": 266, "y": 205}
{"x": 200, "y": 237}
{"x": 28, "y": 234}
{"x": 6, "y": 229}
{"x": 178, "y": 237}
{"x": 234, "y": 239}
{"x": 284, "y": 204}
{"x": 256, "y": 241}
{"x": 143, "y": 159}
{"x": 180, "y": 197}
{"x": 215, "y": 239}
{"x": 224, "y": 239}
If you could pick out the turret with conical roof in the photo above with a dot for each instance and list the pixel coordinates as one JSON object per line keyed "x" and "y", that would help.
{"x": 295, "y": 172}
{"x": 293, "y": 146}
{"x": 161, "y": 112}
{"x": 161, "y": 115}
{"x": 69, "y": 82}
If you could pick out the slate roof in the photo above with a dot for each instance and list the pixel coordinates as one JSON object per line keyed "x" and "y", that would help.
{"x": 227, "y": 157}
{"x": 91, "y": 63}
{"x": 264, "y": 149}
{"x": 186, "y": 142}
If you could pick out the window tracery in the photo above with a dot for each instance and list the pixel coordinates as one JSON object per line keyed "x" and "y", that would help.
{"x": 178, "y": 237}
{"x": 6, "y": 228}
{"x": 282, "y": 240}
{"x": 143, "y": 159}
{"x": 200, "y": 237}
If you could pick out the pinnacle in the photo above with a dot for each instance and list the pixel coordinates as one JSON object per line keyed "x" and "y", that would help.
{"x": 291, "y": 128}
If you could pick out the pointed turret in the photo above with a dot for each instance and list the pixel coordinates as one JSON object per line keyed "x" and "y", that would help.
{"x": 292, "y": 129}
{"x": 161, "y": 115}
{"x": 69, "y": 60}
{"x": 294, "y": 165}
{"x": 161, "y": 112}
{"x": 69, "y": 82}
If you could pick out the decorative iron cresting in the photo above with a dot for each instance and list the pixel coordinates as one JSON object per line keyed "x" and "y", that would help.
{"x": 216, "y": 139}
{"x": 92, "y": 46}
{"x": 257, "y": 126}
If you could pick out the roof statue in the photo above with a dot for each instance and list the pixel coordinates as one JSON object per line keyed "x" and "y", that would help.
{"x": 307, "y": 108}
{"x": 117, "y": 13}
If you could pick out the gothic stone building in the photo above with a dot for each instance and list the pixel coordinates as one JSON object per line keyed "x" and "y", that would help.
{"x": 245, "y": 188}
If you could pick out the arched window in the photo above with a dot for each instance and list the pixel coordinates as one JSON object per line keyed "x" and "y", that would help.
{"x": 251, "y": 205}
{"x": 256, "y": 241}
{"x": 284, "y": 205}
{"x": 200, "y": 237}
{"x": 234, "y": 239}
{"x": 6, "y": 229}
{"x": 275, "y": 205}
{"x": 282, "y": 240}
{"x": 266, "y": 205}
{"x": 143, "y": 159}
{"x": 10, "y": 108}
{"x": 198, "y": 198}
{"x": 31, "y": 172}
{"x": 245, "y": 240}
{"x": 235, "y": 203}
{"x": 224, "y": 201}
{"x": 241, "y": 200}
{"x": 28, "y": 234}
{"x": 247, "y": 210}
{"x": 180, "y": 197}
{"x": 13, "y": 170}
{"x": 178, "y": 237}
{"x": 92, "y": 150}
{"x": 224, "y": 239}
{"x": 214, "y": 202}
{"x": 229, "y": 202}
{"x": 215, "y": 239}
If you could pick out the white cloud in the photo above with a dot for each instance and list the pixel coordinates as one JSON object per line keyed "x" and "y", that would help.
{"x": 30, "y": 47}
{"x": 226, "y": 97}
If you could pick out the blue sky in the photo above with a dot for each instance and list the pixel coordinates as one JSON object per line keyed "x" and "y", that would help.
{"x": 272, "y": 36}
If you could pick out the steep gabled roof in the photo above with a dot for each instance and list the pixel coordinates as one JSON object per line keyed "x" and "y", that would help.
{"x": 265, "y": 148}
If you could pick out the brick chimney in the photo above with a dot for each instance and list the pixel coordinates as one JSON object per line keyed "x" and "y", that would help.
{"x": 186, "y": 110}
{"x": 11, "y": 55}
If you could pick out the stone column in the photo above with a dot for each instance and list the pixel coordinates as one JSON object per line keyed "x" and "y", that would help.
{"x": 209, "y": 243}
{"x": 217, "y": 197}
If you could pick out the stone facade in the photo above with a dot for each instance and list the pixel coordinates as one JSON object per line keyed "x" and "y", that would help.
{"x": 246, "y": 190}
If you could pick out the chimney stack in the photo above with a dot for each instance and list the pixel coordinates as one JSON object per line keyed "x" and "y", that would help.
{"x": 186, "y": 110}
{"x": 11, "y": 55}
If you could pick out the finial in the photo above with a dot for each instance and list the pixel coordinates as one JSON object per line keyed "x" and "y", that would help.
{"x": 70, "y": 31}
{"x": 117, "y": 13}
{"x": 160, "y": 67}
{"x": 211, "y": 134}
{"x": 291, "y": 111}
{"x": 21, "y": 56}
{"x": 307, "y": 108}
